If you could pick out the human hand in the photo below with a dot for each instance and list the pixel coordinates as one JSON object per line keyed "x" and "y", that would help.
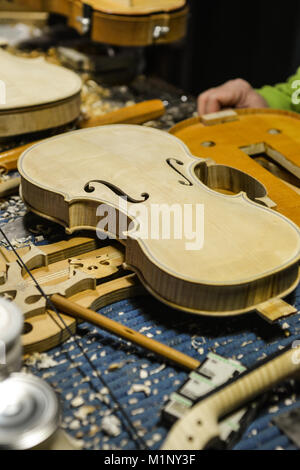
{"x": 233, "y": 94}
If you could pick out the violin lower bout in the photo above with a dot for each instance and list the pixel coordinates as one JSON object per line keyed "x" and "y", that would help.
{"x": 205, "y": 299}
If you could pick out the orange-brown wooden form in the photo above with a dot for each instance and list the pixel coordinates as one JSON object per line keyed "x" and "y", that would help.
{"x": 253, "y": 132}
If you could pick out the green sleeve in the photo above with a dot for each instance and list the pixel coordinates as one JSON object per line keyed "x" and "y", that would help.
{"x": 284, "y": 95}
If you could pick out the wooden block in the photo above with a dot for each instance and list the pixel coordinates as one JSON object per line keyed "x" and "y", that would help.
{"x": 275, "y": 309}
{"x": 219, "y": 118}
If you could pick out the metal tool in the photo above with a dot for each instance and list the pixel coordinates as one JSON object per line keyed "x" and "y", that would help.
{"x": 11, "y": 326}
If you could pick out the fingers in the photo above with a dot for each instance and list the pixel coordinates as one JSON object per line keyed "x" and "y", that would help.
{"x": 206, "y": 101}
{"x": 215, "y": 99}
{"x": 214, "y": 102}
{"x": 233, "y": 93}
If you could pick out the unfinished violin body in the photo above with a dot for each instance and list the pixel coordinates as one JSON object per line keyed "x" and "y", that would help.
{"x": 241, "y": 256}
{"x": 39, "y": 95}
{"x": 264, "y": 143}
{"x": 121, "y": 22}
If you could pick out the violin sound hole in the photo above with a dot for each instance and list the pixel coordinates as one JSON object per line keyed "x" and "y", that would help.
{"x": 171, "y": 162}
{"x": 89, "y": 188}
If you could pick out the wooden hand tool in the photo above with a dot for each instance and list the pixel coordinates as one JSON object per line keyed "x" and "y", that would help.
{"x": 85, "y": 314}
{"x": 135, "y": 114}
{"x": 199, "y": 428}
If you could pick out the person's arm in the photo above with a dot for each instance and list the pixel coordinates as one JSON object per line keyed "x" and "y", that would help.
{"x": 233, "y": 94}
{"x": 284, "y": 96}
{"x": 240, "y": 94}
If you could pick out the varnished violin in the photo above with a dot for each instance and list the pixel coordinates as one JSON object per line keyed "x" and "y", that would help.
{"x": 121, "y": 22}
{"x": 248, "y": 256}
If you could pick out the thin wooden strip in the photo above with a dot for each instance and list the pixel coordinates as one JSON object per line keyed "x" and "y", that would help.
{"x": 88, "y": 315}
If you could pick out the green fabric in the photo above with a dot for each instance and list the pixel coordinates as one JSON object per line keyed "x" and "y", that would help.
{"x": 281, "y": 96}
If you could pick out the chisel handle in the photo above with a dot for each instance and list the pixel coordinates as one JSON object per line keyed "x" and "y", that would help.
{"x": 135, "y": 114}
{"x": 85, "y": 314}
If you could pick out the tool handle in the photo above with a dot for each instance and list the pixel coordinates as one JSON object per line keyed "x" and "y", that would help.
{"x": 200, "y": 425}
{"x": 9, "y": 187}
{"x": 9, "y": 159}
{"x": 77, "y": 311}
{"x": 135, "y": 114}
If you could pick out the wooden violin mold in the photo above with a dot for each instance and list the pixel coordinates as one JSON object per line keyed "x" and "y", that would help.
{"x": 71, "y": 286}
{"x": 121, "y": 22}
{"x": 263, "y": 143}
{"x": 39, "y": 95}
{"x": 250, "y": 253}
{"x": 67, "y": 267}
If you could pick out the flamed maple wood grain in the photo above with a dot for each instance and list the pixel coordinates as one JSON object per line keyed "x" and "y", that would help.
{"x": 250, "y": 252}
{"x": 39, "y": 95}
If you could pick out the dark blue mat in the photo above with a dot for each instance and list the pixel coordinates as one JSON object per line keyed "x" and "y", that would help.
{"x": 248, "y": 339}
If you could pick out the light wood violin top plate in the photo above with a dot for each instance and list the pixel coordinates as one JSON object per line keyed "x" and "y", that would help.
{"x": 34, "y": 82}
{"x": 245, "y": 244}
{"x": 39, "y": 95}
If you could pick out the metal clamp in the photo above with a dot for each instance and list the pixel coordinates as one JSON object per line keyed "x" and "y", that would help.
{"x": 85, "y": 23}
{"x": 160, "y": 31}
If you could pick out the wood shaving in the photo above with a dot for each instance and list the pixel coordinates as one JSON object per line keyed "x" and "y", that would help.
{"x": 139, "y": 411}
{"x": 158, "y": 370}
{"x": 273, "y": 409}
{"x": 133, "y": 401}
{"x": 77, "y": 401}
{"x": 145, "y": 328}
{"x": 84, "y": 411}
{"x": 116, "y": 366}
{"x": 94, "y": 429}
{"x": 74, "y": 425}
{"x": 41, "y": 361}
{"x": 137, "y": 388}
{"x": 111, "y": 425}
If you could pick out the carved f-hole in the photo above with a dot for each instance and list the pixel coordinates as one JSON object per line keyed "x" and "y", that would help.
{"x": 170, "y": 162}
{"x": 90, "y": 189}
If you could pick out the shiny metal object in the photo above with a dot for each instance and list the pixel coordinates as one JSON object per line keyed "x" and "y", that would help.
{"x": 11, "y": 327}
{"x": 160, "y": 31}
{"x": 29, "y": 412}
{"x": 85, "y": 23}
